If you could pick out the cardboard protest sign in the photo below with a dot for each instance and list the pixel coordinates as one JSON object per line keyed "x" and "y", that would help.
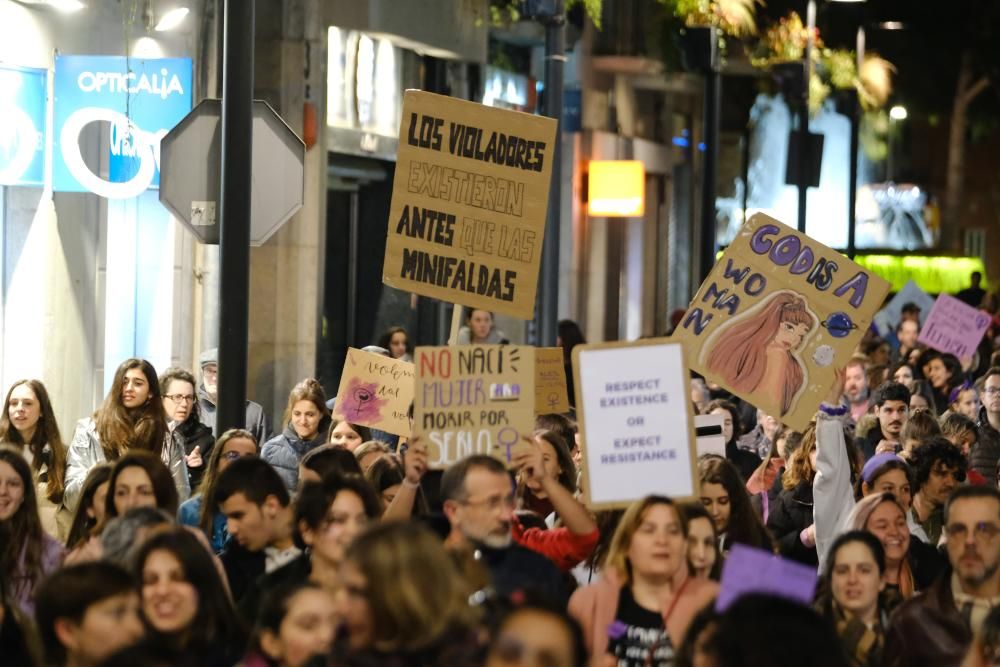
{"x": 469, "y": 201}
{"x": 954, "y": 327}
{"x": 749, "y": 570}
{"x": 708, "y": 435}
{"x": 550, "y": 381}
{"x": 636, "y": 427}
{"x": 474, "y": 399}
{"x": 375, "y": 391}
{"x": 776, "y": 316}
{"x": 886, "y": 319}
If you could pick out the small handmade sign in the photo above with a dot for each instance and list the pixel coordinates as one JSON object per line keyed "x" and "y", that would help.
{"x": 550, "y": 381}
{"x": 474, "y": 399}
{"x": 954, "y": 327}
{"x": 750, "y": 570}
{"x": 375, "y": 391}
{"x": 775, "y": 318}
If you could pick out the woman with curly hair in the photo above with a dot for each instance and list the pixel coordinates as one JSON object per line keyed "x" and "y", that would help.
{"x": 791, "y": 518}
{"x": 757, "y": 352}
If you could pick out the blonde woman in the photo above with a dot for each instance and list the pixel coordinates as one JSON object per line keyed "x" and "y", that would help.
{"x": 646, "y": 599}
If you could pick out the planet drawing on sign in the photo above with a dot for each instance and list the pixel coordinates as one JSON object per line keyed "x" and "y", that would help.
{"x": 362, "y": 403}
{"x": 839, "y": 324}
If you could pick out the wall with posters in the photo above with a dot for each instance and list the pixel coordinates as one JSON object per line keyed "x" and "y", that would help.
{"x": 84, "y": 284}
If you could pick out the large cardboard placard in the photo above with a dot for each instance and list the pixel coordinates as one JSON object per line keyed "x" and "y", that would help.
{"x": 776, "y": 316}
{"x": 636, "y": 427}
{"x": 955, "y": 327}
{"x": 550, "y": 381}
{"x": 469, "y": 201}
{"x": 375, "y": 391}
{"x": 474, "y": 399}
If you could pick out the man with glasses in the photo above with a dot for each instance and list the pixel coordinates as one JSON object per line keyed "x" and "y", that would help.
{"x": 478, "y": 495}
{"x": 987, "y": 450}
{"x": 181, "y": 407}
{"x": 936, "y": 628}
{"x": 208, "y": 397}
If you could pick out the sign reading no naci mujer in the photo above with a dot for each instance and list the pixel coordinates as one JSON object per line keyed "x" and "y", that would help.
{"x": 469, "y": 201}
{"x": 474, "y": 399}
{"x": 140, "y": 99}
{"x": 777, "y": 315}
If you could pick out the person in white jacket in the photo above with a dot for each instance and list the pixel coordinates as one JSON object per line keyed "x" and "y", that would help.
{"x": 833, "y": 492}
{"x": 131, "y": 416}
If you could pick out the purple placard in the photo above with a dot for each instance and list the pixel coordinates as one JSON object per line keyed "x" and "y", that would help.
{"x": 749, "y": 570}
{"x": 954, "y": 327}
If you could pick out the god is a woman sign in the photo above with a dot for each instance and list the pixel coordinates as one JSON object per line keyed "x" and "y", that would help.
{"x": 776, "y": 316}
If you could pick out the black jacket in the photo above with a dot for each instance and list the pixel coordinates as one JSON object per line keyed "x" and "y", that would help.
{"x": 517, "y": 568}
{"x": 928, "y": 629}
{"x": 292, "y": 573}
{"x": 985, "y": 453}
{"x": 789, "y": 516}
{"x": 745, "y": 462}
{"x": 195, "y": 434}
{"x": 242, "y": 567}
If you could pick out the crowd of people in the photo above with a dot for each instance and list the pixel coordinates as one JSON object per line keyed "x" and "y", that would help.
{"x": 148, "y": 538}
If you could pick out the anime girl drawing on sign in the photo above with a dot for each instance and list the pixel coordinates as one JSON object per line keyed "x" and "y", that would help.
{"x": 758, "y": 351}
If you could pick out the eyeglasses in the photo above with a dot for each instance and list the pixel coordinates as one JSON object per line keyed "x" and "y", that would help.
{"x": 492, "y": 504}
{"x": 991, "y": 391}
{"x": 181, "y": 398}
{"x": 982, "y": 532}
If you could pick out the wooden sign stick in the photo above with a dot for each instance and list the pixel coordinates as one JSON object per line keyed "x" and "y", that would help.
{"x": 456, "y": 324}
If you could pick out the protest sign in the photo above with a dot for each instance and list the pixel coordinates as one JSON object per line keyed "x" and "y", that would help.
{"x": 550, "y": 381}
{"x": 887, "y": 319}
{"x": 469, "y": 201}
{"x": 954, "y": 327}
{"x": 375, "y": 391}
{"x": 708, "y": 435}
{"x": 776, "y": 316}
{"x": 636, "y": 426}
{"x": 474, "y": 399}
{"x": 749, "y": 570}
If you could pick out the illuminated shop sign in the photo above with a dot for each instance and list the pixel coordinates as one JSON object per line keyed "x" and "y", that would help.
{"x": 141, "y": 99}
{"x": 22, "y": 125}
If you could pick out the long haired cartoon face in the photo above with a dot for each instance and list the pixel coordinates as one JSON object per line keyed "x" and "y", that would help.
{"x": 757, "y": 352}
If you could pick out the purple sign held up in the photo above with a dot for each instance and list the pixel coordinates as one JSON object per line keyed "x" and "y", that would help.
{"x": 749, "y": 570}
{"x": 954, "y": 327}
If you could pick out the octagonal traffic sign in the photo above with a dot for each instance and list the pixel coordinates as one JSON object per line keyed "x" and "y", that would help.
{"x": 191, "y": 163}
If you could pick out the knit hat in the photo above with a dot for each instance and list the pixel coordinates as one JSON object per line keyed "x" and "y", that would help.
{"x": 876, "y": 462}
{"x": 209, "y": 356}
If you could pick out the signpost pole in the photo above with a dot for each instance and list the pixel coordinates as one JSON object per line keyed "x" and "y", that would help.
{"x": 234, "y": 207}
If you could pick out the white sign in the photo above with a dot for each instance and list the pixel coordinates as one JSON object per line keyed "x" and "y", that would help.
{"x": 709, "y": 438}
{"x": 636, "y": 426}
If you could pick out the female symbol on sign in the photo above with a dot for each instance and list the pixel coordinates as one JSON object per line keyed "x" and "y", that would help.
{"x": 508, "y": 437}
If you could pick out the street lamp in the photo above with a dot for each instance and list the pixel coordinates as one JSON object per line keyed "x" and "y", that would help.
{"x": 897, "y": 112}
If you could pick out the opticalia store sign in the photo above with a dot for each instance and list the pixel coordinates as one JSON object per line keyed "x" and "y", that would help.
{"x": 141, "y": 99}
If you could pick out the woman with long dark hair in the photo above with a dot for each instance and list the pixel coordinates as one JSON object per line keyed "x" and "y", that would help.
{"x": 131, "y": 417}
{"x": 27, "y": 553}
{"x": 727, "y": 501}
{"x": 28, "y": 423}
{"x": 397, "y": 342}
{"x": 850, "y": 597}
{"x": 185, "y": 604}
{"x": 944, "y": 373}
{"x": 139, "y": 479}
{"x": 83, "y": 541}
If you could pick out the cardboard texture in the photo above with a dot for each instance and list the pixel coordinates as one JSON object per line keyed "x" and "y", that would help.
{"x": 469, "y": 201}
{"x": 550, "y": 381}
{"x": 778, "y": 313}
{"x": 474, "y": 399}
{"x": 375, "y": 391}
{"x": 636, "y": 428}
{"x": 955, "y": 327}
